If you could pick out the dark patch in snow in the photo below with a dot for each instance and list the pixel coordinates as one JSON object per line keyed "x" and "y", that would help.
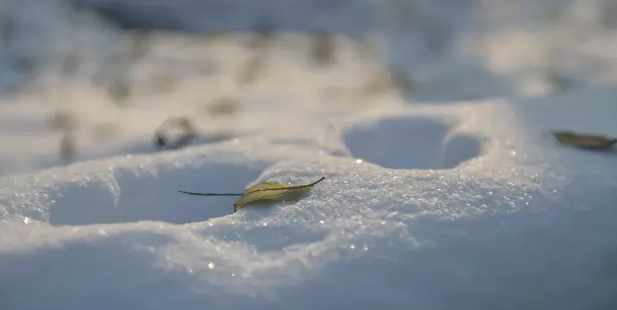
{"x": 411, "y": 143}
{"x": 146, "y": 196}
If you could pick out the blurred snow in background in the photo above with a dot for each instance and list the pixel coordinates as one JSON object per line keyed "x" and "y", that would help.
{"x": 87, "y": 57}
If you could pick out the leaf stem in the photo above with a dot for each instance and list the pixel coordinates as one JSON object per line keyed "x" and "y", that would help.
{"x": 209, "y": 194}
{"x": 268, "y": 189}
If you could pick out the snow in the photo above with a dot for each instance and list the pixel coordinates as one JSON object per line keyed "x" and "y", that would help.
{"x": 465, "y": 204}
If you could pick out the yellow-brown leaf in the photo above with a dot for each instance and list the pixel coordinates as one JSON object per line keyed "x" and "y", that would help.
{"x": 273, "y": 191}
{"x": 584, "y": 141}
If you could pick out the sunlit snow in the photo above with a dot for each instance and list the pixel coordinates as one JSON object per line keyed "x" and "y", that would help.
{"x": 443, "y": 193}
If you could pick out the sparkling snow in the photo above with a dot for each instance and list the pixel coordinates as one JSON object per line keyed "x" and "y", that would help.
{"x": 465, "y": 204}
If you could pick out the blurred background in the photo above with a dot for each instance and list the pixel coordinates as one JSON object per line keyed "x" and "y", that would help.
{"x": 87, "y": 79}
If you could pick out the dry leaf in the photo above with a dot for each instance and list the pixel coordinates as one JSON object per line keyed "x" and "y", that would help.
{"x": 266, "y": 191}
{"x": 120, "y": 90}
{"x": 187, "y": 133}
{"x": 164, "y": 84}
{"x": 224, "y": 106}
{"x": 324, "y": 48}
{"x": 253, "y": 68}
{"x": 62, "y": 120}
{"x": 273, "y": 191}
{"x": 264, "y": 34}
{"x": 402, "y": 80}
{"x": 105, "y": 131}
{"x": 67, "y": 147}
{"x": 584, "y": 141}
{"x": 379, "y": 83}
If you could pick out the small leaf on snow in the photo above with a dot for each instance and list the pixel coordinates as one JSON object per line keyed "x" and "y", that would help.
{"x": 584, "y": 141}
{"x": 266, "y": 191}
{"x": 273, "y": 191}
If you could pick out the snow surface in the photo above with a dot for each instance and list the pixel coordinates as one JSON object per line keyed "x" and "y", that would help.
{"x": 462, "y": 205}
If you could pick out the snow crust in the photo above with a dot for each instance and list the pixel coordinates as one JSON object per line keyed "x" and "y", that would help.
{"x": 523, "y": 223}
{"x": 460, "y": 205}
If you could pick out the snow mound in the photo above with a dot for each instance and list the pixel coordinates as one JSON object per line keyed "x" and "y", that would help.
{"x": 524, "y": 224}
{"x": 464, "y": 206}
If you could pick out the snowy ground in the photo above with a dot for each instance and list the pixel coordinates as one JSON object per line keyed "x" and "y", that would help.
{"x": 465, "y": 204}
